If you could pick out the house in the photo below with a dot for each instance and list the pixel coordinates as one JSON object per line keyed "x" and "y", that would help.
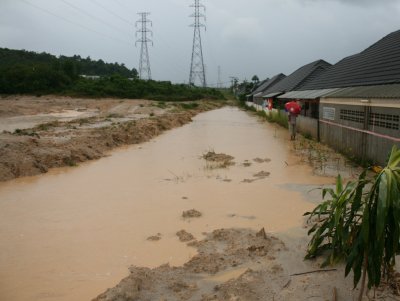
{"x": 308, "y": 120}
{"x": 295, "y": 81}
{"x": 358, "y": 101}
{"x": 362, "y": 121}
{"x": 265, "y": 85}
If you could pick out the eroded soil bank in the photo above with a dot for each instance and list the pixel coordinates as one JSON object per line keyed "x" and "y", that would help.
{"x": 170, "y": 220}
{"x": 38, "y": 133}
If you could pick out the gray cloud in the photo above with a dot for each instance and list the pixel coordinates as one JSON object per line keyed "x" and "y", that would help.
{"x": 357, "y": 2}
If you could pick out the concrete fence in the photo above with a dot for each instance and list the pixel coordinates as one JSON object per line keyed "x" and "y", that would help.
{"x": 362, "y": 132}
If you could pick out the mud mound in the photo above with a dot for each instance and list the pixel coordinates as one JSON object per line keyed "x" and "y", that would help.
{"x": 191, "y": 213}
{"x": 218, "y": 160}
{"x": 156, "y": 237}
{"x": 220, "y": 251}
{"x": 259, "y": 160}
{"x": 212, "y": 156}
{"x": 262, "y": 174}
{"x": 257, "y": 176}
{"x": 184, "y": 236}
{"x": 162, "y": 283}
{"x": 251, "y": 285}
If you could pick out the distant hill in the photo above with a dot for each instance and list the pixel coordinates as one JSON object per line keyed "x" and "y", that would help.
{"x": 86, "y": 66}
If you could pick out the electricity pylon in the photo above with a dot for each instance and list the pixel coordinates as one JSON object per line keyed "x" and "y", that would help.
{"x": 144, "y": 62}
{"x": 219, "y": 83}
{"x": 197, "y": 70}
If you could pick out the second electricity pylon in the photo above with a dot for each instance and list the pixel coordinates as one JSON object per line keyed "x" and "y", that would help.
{"x": 144, "y": 62}
{"x": 197, "y": 70}
{"x": 219, "y": 82}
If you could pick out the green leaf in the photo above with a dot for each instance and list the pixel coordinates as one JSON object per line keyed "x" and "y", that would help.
{"x": 365, "y": 225}
{"x": 394, "y": 159}
{"x": 339, "y": 184}
{"x": 382, "y": 205}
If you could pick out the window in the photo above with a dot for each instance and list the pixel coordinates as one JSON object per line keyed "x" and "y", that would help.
{"x": 352, "y": 115}
{"x": 387, "y": 121}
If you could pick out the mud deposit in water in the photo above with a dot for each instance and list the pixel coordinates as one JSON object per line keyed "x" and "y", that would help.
{"x": 74, "y": 232}
{"x": 222, "y": 251}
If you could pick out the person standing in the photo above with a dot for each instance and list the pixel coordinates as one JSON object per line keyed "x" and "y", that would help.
{"x": 292, "y": 125}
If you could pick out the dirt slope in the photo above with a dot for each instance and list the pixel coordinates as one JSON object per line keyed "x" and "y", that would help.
{"x": 69, "y": 141}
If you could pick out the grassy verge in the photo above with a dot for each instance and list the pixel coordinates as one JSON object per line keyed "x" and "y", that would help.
{"x": 273, "y": 117}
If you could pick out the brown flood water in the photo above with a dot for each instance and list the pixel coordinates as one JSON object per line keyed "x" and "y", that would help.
{"x": 72, "y": 233}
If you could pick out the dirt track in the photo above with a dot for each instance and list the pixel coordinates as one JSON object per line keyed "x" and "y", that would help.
{"x": 49, "y": 131}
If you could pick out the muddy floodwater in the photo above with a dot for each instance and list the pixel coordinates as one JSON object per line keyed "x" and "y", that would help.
{"x": 72, "y": 233}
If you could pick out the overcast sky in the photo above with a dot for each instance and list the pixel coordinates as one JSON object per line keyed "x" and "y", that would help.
{"x": 244, "y": 37}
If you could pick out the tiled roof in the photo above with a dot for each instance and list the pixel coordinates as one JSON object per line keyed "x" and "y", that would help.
{"x": 272, "y": 94}
{"x": 300, "y": 77}
{"x": 269, "y": 83}
{"x": 256, "y": 89}
{"x": 307, "y": 94}
{"x": 378, "y": 64}
{"x": 378, "y": 91}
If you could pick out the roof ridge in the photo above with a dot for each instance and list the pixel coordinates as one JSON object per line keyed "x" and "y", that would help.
{"x": 381, "y": 40}
{"x": 377, "y": 64}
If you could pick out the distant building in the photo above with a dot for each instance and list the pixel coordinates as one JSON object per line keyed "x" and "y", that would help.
{"x": 94, "y": 77}
{"x": 268, "y": 84}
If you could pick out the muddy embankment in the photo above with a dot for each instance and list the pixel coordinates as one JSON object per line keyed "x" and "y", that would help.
{"x": 42, "y": 133}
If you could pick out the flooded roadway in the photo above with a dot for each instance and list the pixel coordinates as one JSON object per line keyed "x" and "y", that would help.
{"x": 72, "y": 233}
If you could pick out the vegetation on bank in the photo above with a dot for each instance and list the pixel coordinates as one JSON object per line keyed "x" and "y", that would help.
{"x": 360, "y": 224}
{"x": 118, "y": 86}
{"x": 273, "y": 116}
{"x": 23, "y": 72}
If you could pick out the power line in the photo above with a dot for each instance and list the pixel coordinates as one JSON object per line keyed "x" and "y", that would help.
{"x": 74, "y": 23}
{"x": 160, "y": 38}
{"x": 217, "y": 84}
{"x": 111, "y": 12}
{"x": 178, "y": 68}
{"x": 122, "y": 5}
{"x": 178, "y": 63}
{"x": 92, "y": 16}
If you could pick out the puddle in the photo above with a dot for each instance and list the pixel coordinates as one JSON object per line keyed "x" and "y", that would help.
{"x": 227, "y": 275}
{"x": 72, "y": 233}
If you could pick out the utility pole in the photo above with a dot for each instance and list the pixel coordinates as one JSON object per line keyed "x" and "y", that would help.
{"x": 219, "y": 83}
{"x": 197, "y": 70}
{"x": 234, "y": 83}
{"x": 143, "y": 30}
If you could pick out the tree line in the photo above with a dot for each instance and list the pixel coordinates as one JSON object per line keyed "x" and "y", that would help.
{"x": 27, "y": 72}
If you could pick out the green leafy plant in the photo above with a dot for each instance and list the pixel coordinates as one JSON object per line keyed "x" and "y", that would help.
{"x": 360, "y": 224}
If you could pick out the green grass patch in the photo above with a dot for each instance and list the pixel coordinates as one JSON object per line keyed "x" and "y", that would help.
{"x": 279, "y": 118}
{"x": 189, "y": 106}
